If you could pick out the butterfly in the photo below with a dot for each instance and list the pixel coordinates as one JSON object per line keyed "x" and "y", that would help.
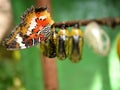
{"x": 35, "y": 27}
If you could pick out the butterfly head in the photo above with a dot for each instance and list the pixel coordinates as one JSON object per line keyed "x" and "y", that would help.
{"x": 43, "y": 16}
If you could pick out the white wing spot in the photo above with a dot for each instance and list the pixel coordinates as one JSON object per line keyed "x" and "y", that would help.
{"x": 32, "y": 26}
{"x": 28, "y": 33}
{"x": 39, "y": 39}
{"x": 19, "y": 41}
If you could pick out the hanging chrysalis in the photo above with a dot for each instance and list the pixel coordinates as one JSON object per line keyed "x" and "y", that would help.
{"x": 48, "y": 48}
{"x": 97, "y": 38}
{"x": 44, "y": 48}
{"x": 62, "y": 43}
{"x": 52, "y": 44}
{"x": 75, "y": 44}
{"x": 118, "y": 46}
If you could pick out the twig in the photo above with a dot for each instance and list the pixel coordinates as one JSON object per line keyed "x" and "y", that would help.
{"x": 48, "y": 64}
{"x": 111, "y": 22}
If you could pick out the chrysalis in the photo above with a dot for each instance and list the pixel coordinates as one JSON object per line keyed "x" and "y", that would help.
{"x": 62, "y": 43}
{"x": 118, "y": 46}
{"x": 75, "y": 44}
{"x": 48, "y": 48}
{"x": 97, "y": 38}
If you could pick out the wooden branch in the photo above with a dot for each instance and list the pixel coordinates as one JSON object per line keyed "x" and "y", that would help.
{"x": 111, "y": 22}
{"x": 48, "y": 64}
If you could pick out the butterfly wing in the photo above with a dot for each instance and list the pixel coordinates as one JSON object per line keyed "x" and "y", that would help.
{"x": 34, "y": 28}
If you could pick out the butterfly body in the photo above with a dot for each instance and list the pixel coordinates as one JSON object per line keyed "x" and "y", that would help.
{"x": 34, "y": 28}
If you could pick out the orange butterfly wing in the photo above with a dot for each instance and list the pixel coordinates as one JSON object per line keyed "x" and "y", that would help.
{"x": 34, "y": 28}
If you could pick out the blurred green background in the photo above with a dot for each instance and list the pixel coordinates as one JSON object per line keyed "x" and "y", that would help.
{"x": 93, "y": 72}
